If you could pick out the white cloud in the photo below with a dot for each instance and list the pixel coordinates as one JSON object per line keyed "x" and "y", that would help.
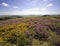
{"x": 5, "y": 4}
{"x": 49, "y": 5}
{"x": 15, "y": 7}
{"x": 31, "y": 11}
{"x": 44, "y": 9}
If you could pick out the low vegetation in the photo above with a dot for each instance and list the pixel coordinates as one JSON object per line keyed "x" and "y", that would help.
{"x": 32, "y": 31}
{"x": 9, "y": 17}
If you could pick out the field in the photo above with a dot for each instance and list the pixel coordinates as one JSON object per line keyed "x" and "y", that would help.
{"x": 30, "y": 30}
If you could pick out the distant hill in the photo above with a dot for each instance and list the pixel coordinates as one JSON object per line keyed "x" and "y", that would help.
{"x": 5, "y": 17}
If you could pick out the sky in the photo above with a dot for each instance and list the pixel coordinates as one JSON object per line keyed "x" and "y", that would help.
{"x": 29, "y": 7}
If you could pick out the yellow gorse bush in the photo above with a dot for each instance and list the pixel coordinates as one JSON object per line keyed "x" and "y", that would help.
{"x": 20, "y": 28}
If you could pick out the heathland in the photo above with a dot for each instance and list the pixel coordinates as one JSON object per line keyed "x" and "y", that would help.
{"x": 30, "y": 30}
